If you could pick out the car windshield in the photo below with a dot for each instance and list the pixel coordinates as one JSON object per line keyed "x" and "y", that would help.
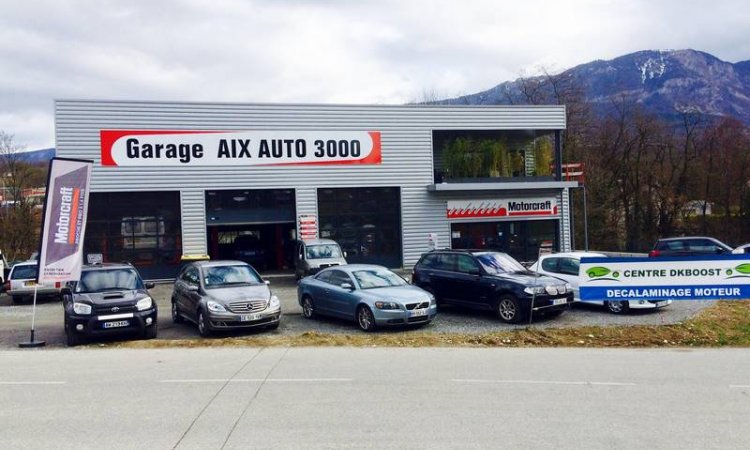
{"x": 24, "y": 273}
{"x": 496, "y": 263}
{"x": 377, "y": 278}
{"x": 103, "y": 280}
{"x": 323, "y": 251}
{"x": 223, "y": 276}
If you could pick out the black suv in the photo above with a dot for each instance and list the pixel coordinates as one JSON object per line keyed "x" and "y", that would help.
{"x": 109, "y": 299}
{"x": 689, "y": 246}
{"x": 490, "y": 281}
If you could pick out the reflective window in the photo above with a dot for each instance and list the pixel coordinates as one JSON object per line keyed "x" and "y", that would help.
{"x": 109, "y": 280}
{"x": 234, "y": 275}
{"x": 466, "y": 264}
{"x": 550, "y": 264}
{"x": 377, "y": 278}
{"x": 569, "y": 266}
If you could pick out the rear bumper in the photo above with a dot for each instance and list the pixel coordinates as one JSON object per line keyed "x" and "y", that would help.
{"x": 93, "y": 325}
{"x": 28, "y": 292}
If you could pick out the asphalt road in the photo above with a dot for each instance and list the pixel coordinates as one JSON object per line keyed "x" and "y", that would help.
{"x": 375, "y": 398}
{"x": 15, "y": 320}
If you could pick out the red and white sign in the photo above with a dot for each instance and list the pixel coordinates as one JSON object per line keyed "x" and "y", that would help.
{"x": 527, "y": 207}
{"x": 307, "y": 226}
{"x": 159, "y": 148}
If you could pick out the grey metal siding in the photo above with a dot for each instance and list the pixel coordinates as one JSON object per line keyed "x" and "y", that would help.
{"x": 563, "y": 199}
{"x": 407, "y": 159}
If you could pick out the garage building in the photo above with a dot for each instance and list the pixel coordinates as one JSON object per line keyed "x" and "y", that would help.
{"x": 245, "y": 180}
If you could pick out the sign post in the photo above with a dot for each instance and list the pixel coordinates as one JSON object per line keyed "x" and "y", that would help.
{"x": 63, "y": 227}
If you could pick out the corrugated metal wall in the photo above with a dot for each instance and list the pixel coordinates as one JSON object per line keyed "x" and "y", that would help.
{"x": 406, "y": 149}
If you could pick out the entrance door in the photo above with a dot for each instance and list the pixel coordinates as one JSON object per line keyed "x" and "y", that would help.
{"x": 265, "y": 247}
{"x": 520, "y": 239}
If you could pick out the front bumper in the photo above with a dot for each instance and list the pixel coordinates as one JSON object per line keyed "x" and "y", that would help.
{"x": 548, "y": 303}
{"x": 394, "y": 317}
{"x": 234, "y": 321}
{"x": 94, "y": 325}
{"x": 648, "y": 304}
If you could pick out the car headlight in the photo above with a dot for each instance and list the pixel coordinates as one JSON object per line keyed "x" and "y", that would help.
{"x": 568, "y": 287}
{"x": 144, "y": 304}
{"x": 387, "y": 305}
{"x": 274, "y": 302}
{"x": 534, "y": 290}
{"x": 81, "y": 308}
{"x": 432, "y": 300}
{"x": 215, "y": 307}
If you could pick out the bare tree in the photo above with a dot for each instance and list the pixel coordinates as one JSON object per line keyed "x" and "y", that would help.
{"x": 19, "y": 220}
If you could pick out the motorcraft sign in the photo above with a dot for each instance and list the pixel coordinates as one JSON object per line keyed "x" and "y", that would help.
{"x": 522, "y": 207}
{"x": 687, "y": 278}
{"x": 64, "y": 225}
{"x": 159, "y": 148}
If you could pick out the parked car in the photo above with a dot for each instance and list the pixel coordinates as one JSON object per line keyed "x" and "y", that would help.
{"x": 689, "y": 246}
{"x": 22, "y": 281}
{"x": 742, "y": 249}
{"x": 223, "y": 295}
{"x": 109, "y": 299}
{"x": 371, "y": 295}
{"x": 492, "y": 281}
{"x": 4, "y": 271}
{"x": 313, "y": 255}
{"x": 566, "y": 267}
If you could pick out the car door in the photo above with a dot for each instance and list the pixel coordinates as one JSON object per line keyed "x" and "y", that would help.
{"x": 441, "y": 276}
{"x": 467, "y": 286}
{"x": 343, "y": 301}
{"x": 319, "y": 288}
{"x": 191, "y": 297}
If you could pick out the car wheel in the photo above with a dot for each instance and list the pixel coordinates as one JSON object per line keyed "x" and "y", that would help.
{"x": 308, "y": 307}
{"x": 150, "y": 332}
{"x": 508, "y": 309}
{"x": 71, "y": 337}
{"x": 203, "y": 327}
{"x": 365, "y": 319}
{"x": 618, "y": 307}
{"x": 176, "y": 317}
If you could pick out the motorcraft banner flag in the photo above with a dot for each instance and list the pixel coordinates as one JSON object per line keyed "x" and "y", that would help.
{"x": 64, "y": 223}
{"x": 185, "y": 148}
{"x": 715, "y": 277}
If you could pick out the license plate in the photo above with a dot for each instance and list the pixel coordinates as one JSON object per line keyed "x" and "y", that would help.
{"x": 29, "y": 283}
{"x": 249, "y": 317}
{"x": 419, "y": 312}
{"x": 118, "y": 324}
{"x": 559, "y": 301}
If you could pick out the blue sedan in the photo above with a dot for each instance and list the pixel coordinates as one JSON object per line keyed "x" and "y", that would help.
{"x": 371, "y": 295}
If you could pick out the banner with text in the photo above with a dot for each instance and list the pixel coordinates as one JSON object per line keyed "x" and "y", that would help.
{"x": 725, "y": 277}
{"x": 159, "y": 148}
{"x": 64, "y": 223}
{"x": 525, "y": 207}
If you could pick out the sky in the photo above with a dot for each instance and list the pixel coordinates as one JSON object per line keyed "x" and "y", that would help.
{"x": 324, "y": 51}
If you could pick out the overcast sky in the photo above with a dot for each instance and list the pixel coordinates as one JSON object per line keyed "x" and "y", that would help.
{"x": 325, "y": 51}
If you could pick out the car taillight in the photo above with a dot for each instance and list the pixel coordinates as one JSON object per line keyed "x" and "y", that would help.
{"x": 654, "y": 253}
{"x": 57, "y": 285}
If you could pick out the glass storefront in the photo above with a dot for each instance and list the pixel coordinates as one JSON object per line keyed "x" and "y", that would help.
{"x": 366, "y": 222}
{"x": 137, "y": 227}
{"x": 520, "y": 239}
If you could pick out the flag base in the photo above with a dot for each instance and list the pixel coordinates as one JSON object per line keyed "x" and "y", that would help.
{"x": 32, "y": 344}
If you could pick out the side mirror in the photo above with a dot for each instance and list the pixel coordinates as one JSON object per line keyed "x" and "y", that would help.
{"x": 66, "y": 293}
{"x": 347, "y": 286}
{"x": 193, "y": 287}
{"x": 149, "y": 285}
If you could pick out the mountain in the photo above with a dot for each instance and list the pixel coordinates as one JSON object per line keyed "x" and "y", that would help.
{"x": 664, "y": 82}
{"x": 37, "y": 156}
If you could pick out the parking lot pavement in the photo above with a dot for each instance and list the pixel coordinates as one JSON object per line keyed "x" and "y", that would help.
{"x": 15, "y": 320}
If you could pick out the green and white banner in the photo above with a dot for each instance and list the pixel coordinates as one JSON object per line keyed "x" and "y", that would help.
{"x": 723, "y": 277}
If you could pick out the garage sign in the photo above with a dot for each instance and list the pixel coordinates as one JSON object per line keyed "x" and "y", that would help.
{"x": 159, "y": 148}
{"x": 725, "y": 277}
{"x": 526, "y": 207}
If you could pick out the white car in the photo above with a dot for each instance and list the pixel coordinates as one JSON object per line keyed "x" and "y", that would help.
{"x": 742, "y": 249}
{"x": 566, "y": 267}
{"x": 22, "y": 281}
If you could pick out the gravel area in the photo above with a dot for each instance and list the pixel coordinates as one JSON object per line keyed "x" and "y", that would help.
{"x": 15, "y": 320}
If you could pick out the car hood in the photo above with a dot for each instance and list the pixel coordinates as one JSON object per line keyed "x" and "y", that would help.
{"x": 112, "y": 297}
{"x": 401, "y": 294}
{"x": 239, "y": 293}
{"x": 529, "y": 278}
